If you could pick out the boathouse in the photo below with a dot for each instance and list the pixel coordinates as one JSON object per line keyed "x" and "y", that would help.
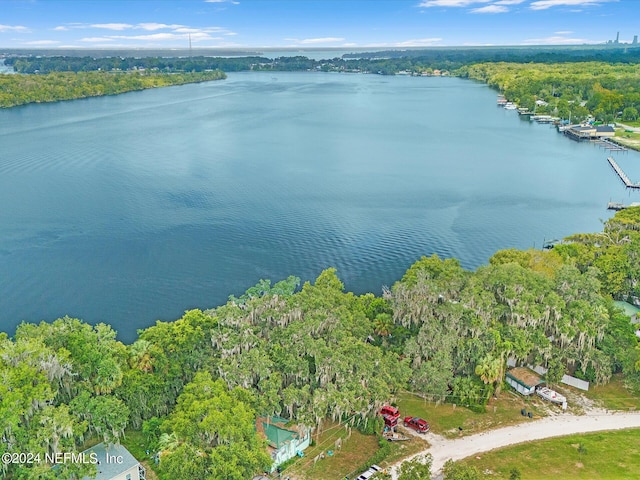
{"x": 523, "y": 380}
{"x": 590, "y": 132}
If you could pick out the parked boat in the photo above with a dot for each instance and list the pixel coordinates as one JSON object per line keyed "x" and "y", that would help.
{"x": 552, "y": 396}
{"x": 510, "y": 106}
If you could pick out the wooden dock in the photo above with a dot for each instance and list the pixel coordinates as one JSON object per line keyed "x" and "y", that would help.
{"x": 623, "y": 176}
{"x": 609, "y": 145}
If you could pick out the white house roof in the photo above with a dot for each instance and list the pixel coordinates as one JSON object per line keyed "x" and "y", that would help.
{"x": 107, "y": 471}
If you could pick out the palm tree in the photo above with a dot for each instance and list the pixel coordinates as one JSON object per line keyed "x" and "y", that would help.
{"x": 383, "y": 324}
{"x": 491, "y": 370}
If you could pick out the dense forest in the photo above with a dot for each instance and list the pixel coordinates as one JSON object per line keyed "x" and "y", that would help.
{"x": 316, "y": 353}
{"x": 571, "y": 90}
{"x": 22, "y": 89}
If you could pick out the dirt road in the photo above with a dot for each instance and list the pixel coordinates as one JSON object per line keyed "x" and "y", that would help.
{"x": 442, "y": 449}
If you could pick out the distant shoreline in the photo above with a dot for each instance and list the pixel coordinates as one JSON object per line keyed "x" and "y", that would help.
{"x": 25, "y": 89}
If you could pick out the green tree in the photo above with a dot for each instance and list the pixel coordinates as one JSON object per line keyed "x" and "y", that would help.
{"x": 383, "y": 324}
{"x": 459, "y": 471}
{"x": 630, "y": 114}
{"x": 214, "y": 424}
{"x": 491, "y": 371}
{"x": 417, "y": 469}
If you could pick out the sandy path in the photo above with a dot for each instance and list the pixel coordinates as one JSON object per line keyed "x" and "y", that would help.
{"x": 628, "y": 127}
{"x": 442, "y": 449}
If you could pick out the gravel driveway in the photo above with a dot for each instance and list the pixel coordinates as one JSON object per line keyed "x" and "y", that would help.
{"x": 566, "y": 424}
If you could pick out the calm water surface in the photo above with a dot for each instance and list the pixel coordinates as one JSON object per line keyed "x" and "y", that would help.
{"x": 137, "y": 207}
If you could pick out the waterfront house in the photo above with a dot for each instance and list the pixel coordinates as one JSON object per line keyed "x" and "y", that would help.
{"x": 114, "y": 463}
{"x": 523, "y": 380}
{"x": 590, "y": 132}
{"x": 285, "y": 442}
{"x": 603, "y": 131}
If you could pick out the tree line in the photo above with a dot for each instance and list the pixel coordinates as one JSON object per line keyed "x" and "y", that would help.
{"x": 52, "y": 87}
{"x": 574, "y": 83}
{"x": 570, "y": 90}
{"x": 316, "y": 353}
{"x": 391, "y": 61}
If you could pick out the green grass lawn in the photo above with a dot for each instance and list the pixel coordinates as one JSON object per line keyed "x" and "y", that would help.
{"x": 614, "y": 395}
{"x": 134, "y": 442}
{"x": 445, "y": 419}
{"x": 604, "y": 455}
{"x": 628, "y": 139}
{"x": 354, "y": 452}
{"x": 632, "y": 123}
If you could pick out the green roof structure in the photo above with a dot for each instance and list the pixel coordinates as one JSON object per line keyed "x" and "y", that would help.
{"x": 277, "y": 435}
{"x": 525, "y": 377}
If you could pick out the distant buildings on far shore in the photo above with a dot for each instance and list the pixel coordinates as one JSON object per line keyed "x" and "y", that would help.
{"x": 617, "y": 40}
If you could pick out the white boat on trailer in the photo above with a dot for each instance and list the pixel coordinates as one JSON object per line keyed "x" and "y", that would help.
{"x": 552, "y": 396}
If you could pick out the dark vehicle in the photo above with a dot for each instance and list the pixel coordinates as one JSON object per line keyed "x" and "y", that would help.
{"x": 418, "y": 424}
{"x": 390, "y": 415}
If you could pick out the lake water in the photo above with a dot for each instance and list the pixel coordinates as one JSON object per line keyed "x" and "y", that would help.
{"x": 133, "y": 208}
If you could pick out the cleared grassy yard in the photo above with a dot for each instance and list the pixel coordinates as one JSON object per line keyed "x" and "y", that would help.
{"x": 614, "y": 395}
{"x": 606, "y": 455}
{"x": 354, "y": 452}
{"x": 445, "y": 419}
{"x": 628, "y": 139}
{"x": 134, "y": 441}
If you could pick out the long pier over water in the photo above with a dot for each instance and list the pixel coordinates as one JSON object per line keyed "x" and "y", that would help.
{"x": 623, "y": 176}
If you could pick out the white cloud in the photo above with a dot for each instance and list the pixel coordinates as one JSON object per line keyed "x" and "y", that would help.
{"x": 61, "y": 29}
{"x": 222, "y": 1}
{"x": 112, "y": 26}
{"x": 163, "y": 37}
{"x": 450, "y": 3}
{"x": 176, "y": 31}
{"x": 187, "y": 30}
{"x": 545, "y": 4}
{"x": 96, "y": 39}
{"x": 509, "y": 2}
{"x": 557, "y": 40}
{"x": 41, "y": 42}
{"x": 315, "y": 41}
{"x": 14, "y": 28}
{"x": 490, "y": 9}
{"x": 419, "y": 42}
{"x": 157, "y": 26}
{"x": 564, "y": 32}
{"x": 197, "y": 30}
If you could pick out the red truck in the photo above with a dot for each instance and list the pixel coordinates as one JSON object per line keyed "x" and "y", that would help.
{"x": 390, "y": 415}
{"x": 418, "y": 424}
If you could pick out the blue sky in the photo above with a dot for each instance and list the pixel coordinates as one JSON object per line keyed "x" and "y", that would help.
{"x": 312, "y": 23}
